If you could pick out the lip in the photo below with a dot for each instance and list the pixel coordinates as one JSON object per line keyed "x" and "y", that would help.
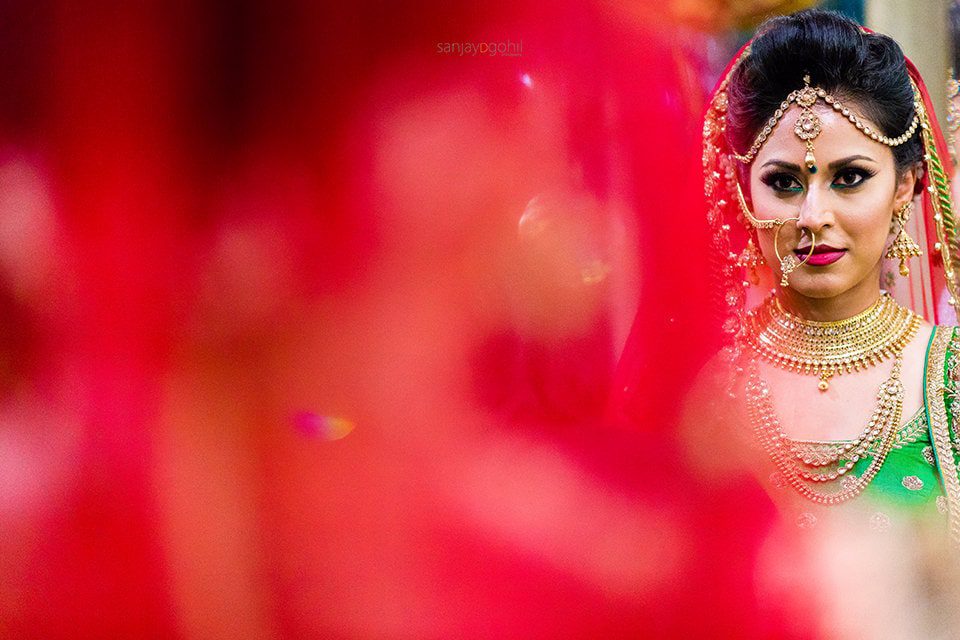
{"x": 822, "y": 255}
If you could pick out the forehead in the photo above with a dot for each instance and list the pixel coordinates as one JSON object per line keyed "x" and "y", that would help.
{"x": 838, "y": 138}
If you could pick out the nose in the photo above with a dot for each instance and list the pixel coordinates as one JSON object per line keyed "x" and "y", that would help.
{"x": 816, "y": 211}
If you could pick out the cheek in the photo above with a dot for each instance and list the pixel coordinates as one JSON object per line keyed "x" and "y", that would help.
{"x": 869, "y": 229}
{"x": 768, "y": 205}
{"x": 765, "y": 244}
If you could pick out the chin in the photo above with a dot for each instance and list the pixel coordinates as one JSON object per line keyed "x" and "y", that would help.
{"x": 821, "y": 286}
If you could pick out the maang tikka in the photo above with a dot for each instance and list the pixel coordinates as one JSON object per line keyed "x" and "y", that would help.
{"x": 904, "y": 247}
{"x": 807, "y": 126}
{"x": 808, "y": 123}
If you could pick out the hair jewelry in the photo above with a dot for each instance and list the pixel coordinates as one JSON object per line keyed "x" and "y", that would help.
{"x": 808, "y": 123}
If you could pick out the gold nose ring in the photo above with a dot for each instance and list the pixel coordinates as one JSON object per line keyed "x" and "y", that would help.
{"x": 789, "y": 262}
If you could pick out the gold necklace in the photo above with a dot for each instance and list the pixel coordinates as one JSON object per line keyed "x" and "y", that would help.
{"x": 880, "y": 430}
{"x": 826, "y": 349}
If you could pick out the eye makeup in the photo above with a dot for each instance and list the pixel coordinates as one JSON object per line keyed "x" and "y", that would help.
{"x": 848, "y": 177}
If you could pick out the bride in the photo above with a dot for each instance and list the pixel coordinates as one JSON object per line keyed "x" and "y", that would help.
{"x": 818, "y": 142}
{"x": 822, "y": 161}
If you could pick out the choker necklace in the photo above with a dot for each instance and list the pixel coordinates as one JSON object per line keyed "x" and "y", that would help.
{"x": 825, "y": 349}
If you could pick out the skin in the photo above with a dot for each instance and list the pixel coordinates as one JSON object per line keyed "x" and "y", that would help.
{"x": 848, "y": 204}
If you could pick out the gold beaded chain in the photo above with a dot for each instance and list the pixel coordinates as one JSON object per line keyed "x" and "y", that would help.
{"x": 808, "y": 124}
{"x": 881, "y": 429}
{"x": 825, "y": 349}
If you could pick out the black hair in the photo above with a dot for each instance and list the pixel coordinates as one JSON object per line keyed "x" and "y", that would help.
{"x": 866, "y": 69}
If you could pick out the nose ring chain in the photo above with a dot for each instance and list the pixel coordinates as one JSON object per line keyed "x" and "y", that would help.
{"x": 789, "y": 262}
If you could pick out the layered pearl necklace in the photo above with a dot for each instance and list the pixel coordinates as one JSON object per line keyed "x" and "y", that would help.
{"x": 825, "y": 348}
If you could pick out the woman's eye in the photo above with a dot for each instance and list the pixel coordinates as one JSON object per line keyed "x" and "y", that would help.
{"x": 783, "y": 182}
{"x": 850, "y": 178}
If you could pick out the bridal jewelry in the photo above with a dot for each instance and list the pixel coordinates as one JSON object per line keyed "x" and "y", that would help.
{"x": 876, "y": 439}
{"x": 789, "y": 262}
{"x": 808, "y": 123}
{"x": 755, "y": 222}
{"x": 825, "y": 349}
{"x": 904, "y": 247}
{"x": 751, "y": 258}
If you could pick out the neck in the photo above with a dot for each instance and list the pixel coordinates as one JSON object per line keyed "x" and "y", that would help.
{"x": 841, "y": 307}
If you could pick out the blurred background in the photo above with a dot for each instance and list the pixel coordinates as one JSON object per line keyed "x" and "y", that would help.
{"x": 368, "y": 320}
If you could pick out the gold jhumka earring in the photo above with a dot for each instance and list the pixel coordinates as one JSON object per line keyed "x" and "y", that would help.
{"x": 904, "y": 247}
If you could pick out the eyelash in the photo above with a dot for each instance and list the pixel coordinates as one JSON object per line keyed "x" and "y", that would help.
{"x": 771, "y": 179}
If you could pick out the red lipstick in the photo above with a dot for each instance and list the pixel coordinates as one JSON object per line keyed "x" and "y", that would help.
{"x": 823, "y": 254}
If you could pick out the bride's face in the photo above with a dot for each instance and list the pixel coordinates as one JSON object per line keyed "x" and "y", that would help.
{"x": 848, "y": 203}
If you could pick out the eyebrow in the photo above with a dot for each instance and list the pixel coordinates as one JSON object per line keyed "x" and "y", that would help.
{"x": 836, "y": 164}
{"x": 783, "y": 165}
{"x": 833, "y": 166}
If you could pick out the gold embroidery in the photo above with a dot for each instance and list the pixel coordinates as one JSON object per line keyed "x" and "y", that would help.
{"x": 806, "y": 520}
{"x": 913, "y": 483}
{"x": 879, "y": 521}
{"x": 777, "y": 480}
{"x": 936, "y": 395}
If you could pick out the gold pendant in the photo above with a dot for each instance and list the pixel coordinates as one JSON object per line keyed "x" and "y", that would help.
{"x": 788, "y": 264}
{"x": 824, "y": 383}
